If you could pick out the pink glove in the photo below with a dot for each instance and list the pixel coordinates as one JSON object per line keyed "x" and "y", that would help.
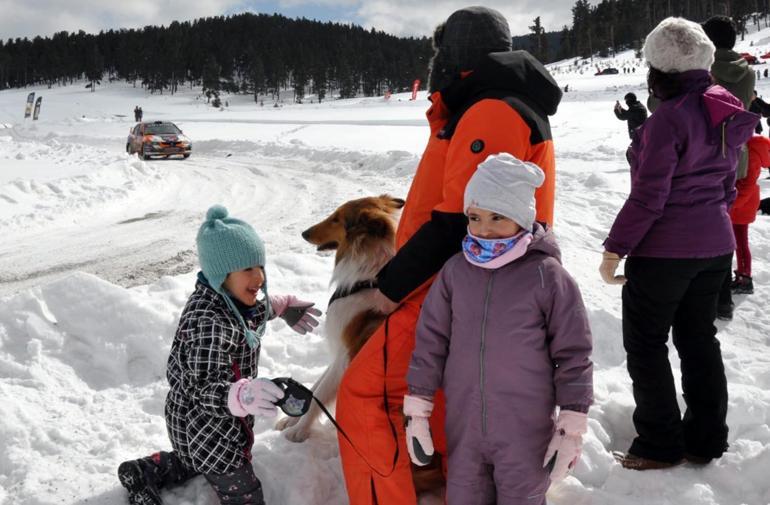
{"x": 298, "y": 314}
{"x": 254, "y": 396}
{"x": 567, "y": 443}
{"x": 418, "y": 438}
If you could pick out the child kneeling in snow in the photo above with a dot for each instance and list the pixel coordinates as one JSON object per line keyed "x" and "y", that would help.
{"x": 213, "y": 398}
{"x": 503, "y": 331}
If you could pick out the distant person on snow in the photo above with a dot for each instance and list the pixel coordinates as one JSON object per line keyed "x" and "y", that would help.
{"x": 636, "y": 114}
{"x": 535, "y": 338}
{"x": 675, "y": 231}
{"x": 744, "y": 212}
{"x": 759, "y": 106}
{"x": 733, "y": 72}
{"x": 140, "y": 114}
{"x": 214, "y": 394}
{"x": 136, "y": 114}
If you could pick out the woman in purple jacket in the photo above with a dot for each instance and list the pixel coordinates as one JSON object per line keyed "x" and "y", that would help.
{"x": 504, "y": 332}
{"x": 674, "y": 229}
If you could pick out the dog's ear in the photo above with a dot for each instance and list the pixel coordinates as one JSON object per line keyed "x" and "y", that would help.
{"x": 369, "y": 222}
{"x": 396, "y": 203}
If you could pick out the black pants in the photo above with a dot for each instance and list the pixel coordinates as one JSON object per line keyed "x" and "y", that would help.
{"x": 725, "y": 293}
{"x": 239, "y": 487}
{"x": 682, "y": 294}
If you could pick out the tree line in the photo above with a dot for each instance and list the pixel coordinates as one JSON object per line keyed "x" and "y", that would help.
{"x": 612, "y": 25}
{"x": 244, "y": 53}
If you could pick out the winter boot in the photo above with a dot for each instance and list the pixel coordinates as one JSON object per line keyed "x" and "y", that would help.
{"x": 743, "y": 285}
{"x": 143, "y": 478}
{"x": 142, "y": 490}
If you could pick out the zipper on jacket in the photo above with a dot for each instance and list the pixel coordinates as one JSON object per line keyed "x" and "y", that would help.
{"x": 481, "y": 357}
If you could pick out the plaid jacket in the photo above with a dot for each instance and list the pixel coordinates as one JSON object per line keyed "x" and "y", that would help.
{"x": 208, "y": 354}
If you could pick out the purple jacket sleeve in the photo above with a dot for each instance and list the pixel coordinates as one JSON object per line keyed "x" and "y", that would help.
{"x": 569, "y": 336}
{"x": 650, "y": 185}
{"x": 426, "y": 369}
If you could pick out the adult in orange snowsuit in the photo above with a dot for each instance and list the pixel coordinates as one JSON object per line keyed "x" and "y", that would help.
{"x": 486, "y": 99}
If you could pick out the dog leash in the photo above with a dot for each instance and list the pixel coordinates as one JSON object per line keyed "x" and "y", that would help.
{"x": 295, "y": 404}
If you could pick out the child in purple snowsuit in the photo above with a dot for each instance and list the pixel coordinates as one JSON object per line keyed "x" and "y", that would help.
{"x": 503, "y": 331}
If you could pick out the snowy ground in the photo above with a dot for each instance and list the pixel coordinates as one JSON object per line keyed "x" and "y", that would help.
{"x": 97, "y": 260}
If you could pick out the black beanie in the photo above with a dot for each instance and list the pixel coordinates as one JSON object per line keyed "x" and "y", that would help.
{"x": 721, "y": 30}
{"x": 464, "y": 40}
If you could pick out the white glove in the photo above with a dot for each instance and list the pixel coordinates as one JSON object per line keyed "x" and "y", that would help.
{"x": 418, "y": 439}
{"x": 609, "y": 266}
{"x": 566, "y": 444}
{"x": 254, "y": 396}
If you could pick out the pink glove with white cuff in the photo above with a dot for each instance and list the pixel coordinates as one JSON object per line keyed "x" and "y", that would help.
{"x": 298, "y": 314}
{"x": 254, "y": 396}
{"x": 566, "y": 444}
{"x": 419, "y": 442}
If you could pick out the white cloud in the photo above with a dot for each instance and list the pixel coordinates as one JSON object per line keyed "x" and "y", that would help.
{"x": 407, "y": 17}
{"x": 28, "y": 18}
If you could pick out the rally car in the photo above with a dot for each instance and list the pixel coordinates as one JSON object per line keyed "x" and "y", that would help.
{"x": 158, "y": 138}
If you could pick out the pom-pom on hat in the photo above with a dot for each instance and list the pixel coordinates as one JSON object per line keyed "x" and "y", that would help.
{"x": 678, "y": 45}
{"x": 506, "y": 185}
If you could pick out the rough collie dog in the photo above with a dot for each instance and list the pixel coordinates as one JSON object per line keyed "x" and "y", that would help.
{"x": 363, "y": 234}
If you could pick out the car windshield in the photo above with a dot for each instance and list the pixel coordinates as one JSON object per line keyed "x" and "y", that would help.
{"x": 161, "y": 129}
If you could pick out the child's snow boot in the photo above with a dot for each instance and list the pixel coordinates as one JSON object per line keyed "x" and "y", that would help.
{"x": 142, "y": 490}
{"x": 143, "y": 478}
{"x": 743, "y": 285}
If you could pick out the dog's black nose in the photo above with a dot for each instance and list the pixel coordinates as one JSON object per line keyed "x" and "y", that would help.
{"x": 305, "y": 234}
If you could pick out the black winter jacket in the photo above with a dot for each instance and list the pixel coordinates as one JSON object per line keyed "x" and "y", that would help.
{"x": 636, "y": 115}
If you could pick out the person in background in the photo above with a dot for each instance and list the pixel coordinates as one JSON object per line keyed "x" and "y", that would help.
{"x": 636, "y": 114}
{"x": 744, "y": 212}
{"x": 675, "y": 231}
{"x": 732, "y": 72}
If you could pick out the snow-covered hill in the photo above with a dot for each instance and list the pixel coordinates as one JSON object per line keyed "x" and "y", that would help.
{"x": 97, "y": 260}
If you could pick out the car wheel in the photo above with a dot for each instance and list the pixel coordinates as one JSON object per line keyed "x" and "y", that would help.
{"x": 146, "y": 157}
{"x": 185, "y": 156}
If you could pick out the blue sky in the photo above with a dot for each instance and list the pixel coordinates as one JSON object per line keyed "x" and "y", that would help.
{"x": 27, "y": 18}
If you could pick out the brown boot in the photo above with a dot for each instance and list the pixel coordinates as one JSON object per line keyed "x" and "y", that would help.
{"x": 697, "y": 460}
{"x": 633, "y": 462}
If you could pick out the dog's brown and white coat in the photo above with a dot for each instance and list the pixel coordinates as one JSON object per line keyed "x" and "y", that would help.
{"x": 363, "y": 234}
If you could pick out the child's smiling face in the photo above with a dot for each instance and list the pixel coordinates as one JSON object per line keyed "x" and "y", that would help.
{"x": 244, "y": 284}
{"x": 490, "y": 225}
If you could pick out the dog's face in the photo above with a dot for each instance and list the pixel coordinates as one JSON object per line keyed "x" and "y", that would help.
{"x": 349, "y": 227}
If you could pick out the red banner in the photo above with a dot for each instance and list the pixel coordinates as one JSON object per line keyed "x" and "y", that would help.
{"x": 415, "y": 87}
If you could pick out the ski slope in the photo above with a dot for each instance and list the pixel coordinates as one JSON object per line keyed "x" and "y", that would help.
{"x": 97, "y": 259}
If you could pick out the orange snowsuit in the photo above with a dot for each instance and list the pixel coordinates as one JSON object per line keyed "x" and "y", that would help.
{"x": 501, "y": 107}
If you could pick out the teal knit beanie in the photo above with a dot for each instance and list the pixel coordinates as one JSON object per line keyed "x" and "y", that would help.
{"x": 226, "y": 244}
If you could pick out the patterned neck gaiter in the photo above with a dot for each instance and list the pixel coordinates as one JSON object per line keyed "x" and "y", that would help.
{"x": 482, "y": 250}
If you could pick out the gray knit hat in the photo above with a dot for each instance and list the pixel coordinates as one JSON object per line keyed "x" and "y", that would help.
{"x": 506, "y": 185}
{"x": 464, "y": 40}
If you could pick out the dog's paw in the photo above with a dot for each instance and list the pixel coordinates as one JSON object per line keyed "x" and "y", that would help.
{"x": 296, "y": 433}
{"x": 286, "y": 422}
